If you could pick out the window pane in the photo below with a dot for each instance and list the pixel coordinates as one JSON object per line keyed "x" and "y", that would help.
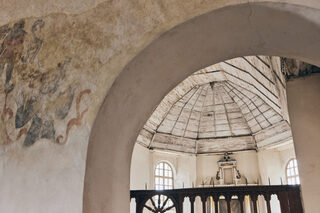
{"x": 161, "y": 165}
{"x": 163, "y": 176}
{"x": 166, "y": 166}
{"x": 292, "y": 172}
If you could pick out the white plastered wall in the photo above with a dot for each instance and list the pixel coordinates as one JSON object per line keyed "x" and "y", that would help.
{"x": 247, "y": 162}
{"x": 140, "y": 175}
{"x": 272, "y": 164}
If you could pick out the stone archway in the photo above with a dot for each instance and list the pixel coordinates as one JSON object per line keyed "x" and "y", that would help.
{"x": 246, "y": 29}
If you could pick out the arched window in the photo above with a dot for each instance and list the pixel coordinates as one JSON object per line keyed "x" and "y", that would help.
{"x": 163, "y": 176}
{"x": 292, "y": 172}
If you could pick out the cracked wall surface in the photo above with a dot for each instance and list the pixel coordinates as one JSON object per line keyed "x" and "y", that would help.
{"x": 58, "y": 60}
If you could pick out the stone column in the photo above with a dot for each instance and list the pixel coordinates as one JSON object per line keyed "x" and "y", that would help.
{"x": 304, "y": 109}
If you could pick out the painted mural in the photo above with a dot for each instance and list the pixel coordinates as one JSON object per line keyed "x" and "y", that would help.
{"x": 34, "y": 98}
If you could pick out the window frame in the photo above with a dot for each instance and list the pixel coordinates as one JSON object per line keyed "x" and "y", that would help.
{"x": 164, "y": 177}
{"x": 296, "y": 175}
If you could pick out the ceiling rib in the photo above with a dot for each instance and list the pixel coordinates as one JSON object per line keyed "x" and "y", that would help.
{"x": 255, "y": 106}
{"x": 192, "y": 111}
{"x": 253, "y": 78}
{"x": 239, "y": 106}
{"x": 183, "y": 108}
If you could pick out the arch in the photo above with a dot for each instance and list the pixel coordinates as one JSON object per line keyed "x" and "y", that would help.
{"x": 225, "y": 33}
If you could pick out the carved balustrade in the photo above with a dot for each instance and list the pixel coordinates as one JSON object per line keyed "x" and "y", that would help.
{"x": 161, "y": 201}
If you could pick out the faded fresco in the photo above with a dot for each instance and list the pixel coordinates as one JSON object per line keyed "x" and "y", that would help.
{"x": 35, "y": 99}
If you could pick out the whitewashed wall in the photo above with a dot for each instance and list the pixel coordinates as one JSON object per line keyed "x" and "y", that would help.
{"x": 140, "y": 174}
{"x": 272, "y": 164}
{"x": 247, "y": 165}
{"x": 44, "y": 177}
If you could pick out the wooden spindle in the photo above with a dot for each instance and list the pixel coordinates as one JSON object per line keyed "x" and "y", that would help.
{"x": 241, "y": 199}
{"x": 139, "y": 205}
{"x": 216, "y": 203}
{"x": 228, "y": 199}
{"x": 180, "y": 204}
{"x": 204, "y": 207}
{"x": 216, "y": 206}
{"x": 267, "y": 198}
{"x": 192, "y": 199}
{"x": 295, "y": 202}
{"x": 284, "y": 202}
{"x": 254, "y": 198}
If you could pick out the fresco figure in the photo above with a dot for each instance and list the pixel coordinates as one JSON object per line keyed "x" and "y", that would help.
{"x": 11, "y": 51}
{"x": 41, "y": 96}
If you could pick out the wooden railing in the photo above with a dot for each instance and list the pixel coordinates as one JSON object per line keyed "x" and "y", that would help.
{"x": 161, "y": 201}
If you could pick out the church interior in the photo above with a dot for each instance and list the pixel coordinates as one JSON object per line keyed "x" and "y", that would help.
{"x": 167, "y": 106}
{"x": 225, "y": 125}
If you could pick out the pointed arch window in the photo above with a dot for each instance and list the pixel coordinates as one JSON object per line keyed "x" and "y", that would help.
{"x": 163, "y": 176}
{"x": 292, "y": 172}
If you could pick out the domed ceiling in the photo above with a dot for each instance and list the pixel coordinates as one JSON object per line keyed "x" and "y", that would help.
{"x": 212, "y": 112}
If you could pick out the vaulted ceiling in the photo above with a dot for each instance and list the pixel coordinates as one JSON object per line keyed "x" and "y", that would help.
{"x": 235, "y": 105}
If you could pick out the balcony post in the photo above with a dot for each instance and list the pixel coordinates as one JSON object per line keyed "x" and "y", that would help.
{"x": 267, "y": 198}
{"x": 295, "y": 201}
{"x": 139, "y": 205}
{"x": 241, "y": 199}
{"x": 192, "y": 199}
{"x": 216, "y": 203}
{"x": 228, "y": 199}
{"x": 254, "y": 198}
{"x": 179, "y": 203}
{"x": 284, "y": 202}
{"x": 203, "y": 200}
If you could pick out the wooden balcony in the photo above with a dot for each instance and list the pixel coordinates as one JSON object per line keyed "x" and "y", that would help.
{"x": 161, "y": 201}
